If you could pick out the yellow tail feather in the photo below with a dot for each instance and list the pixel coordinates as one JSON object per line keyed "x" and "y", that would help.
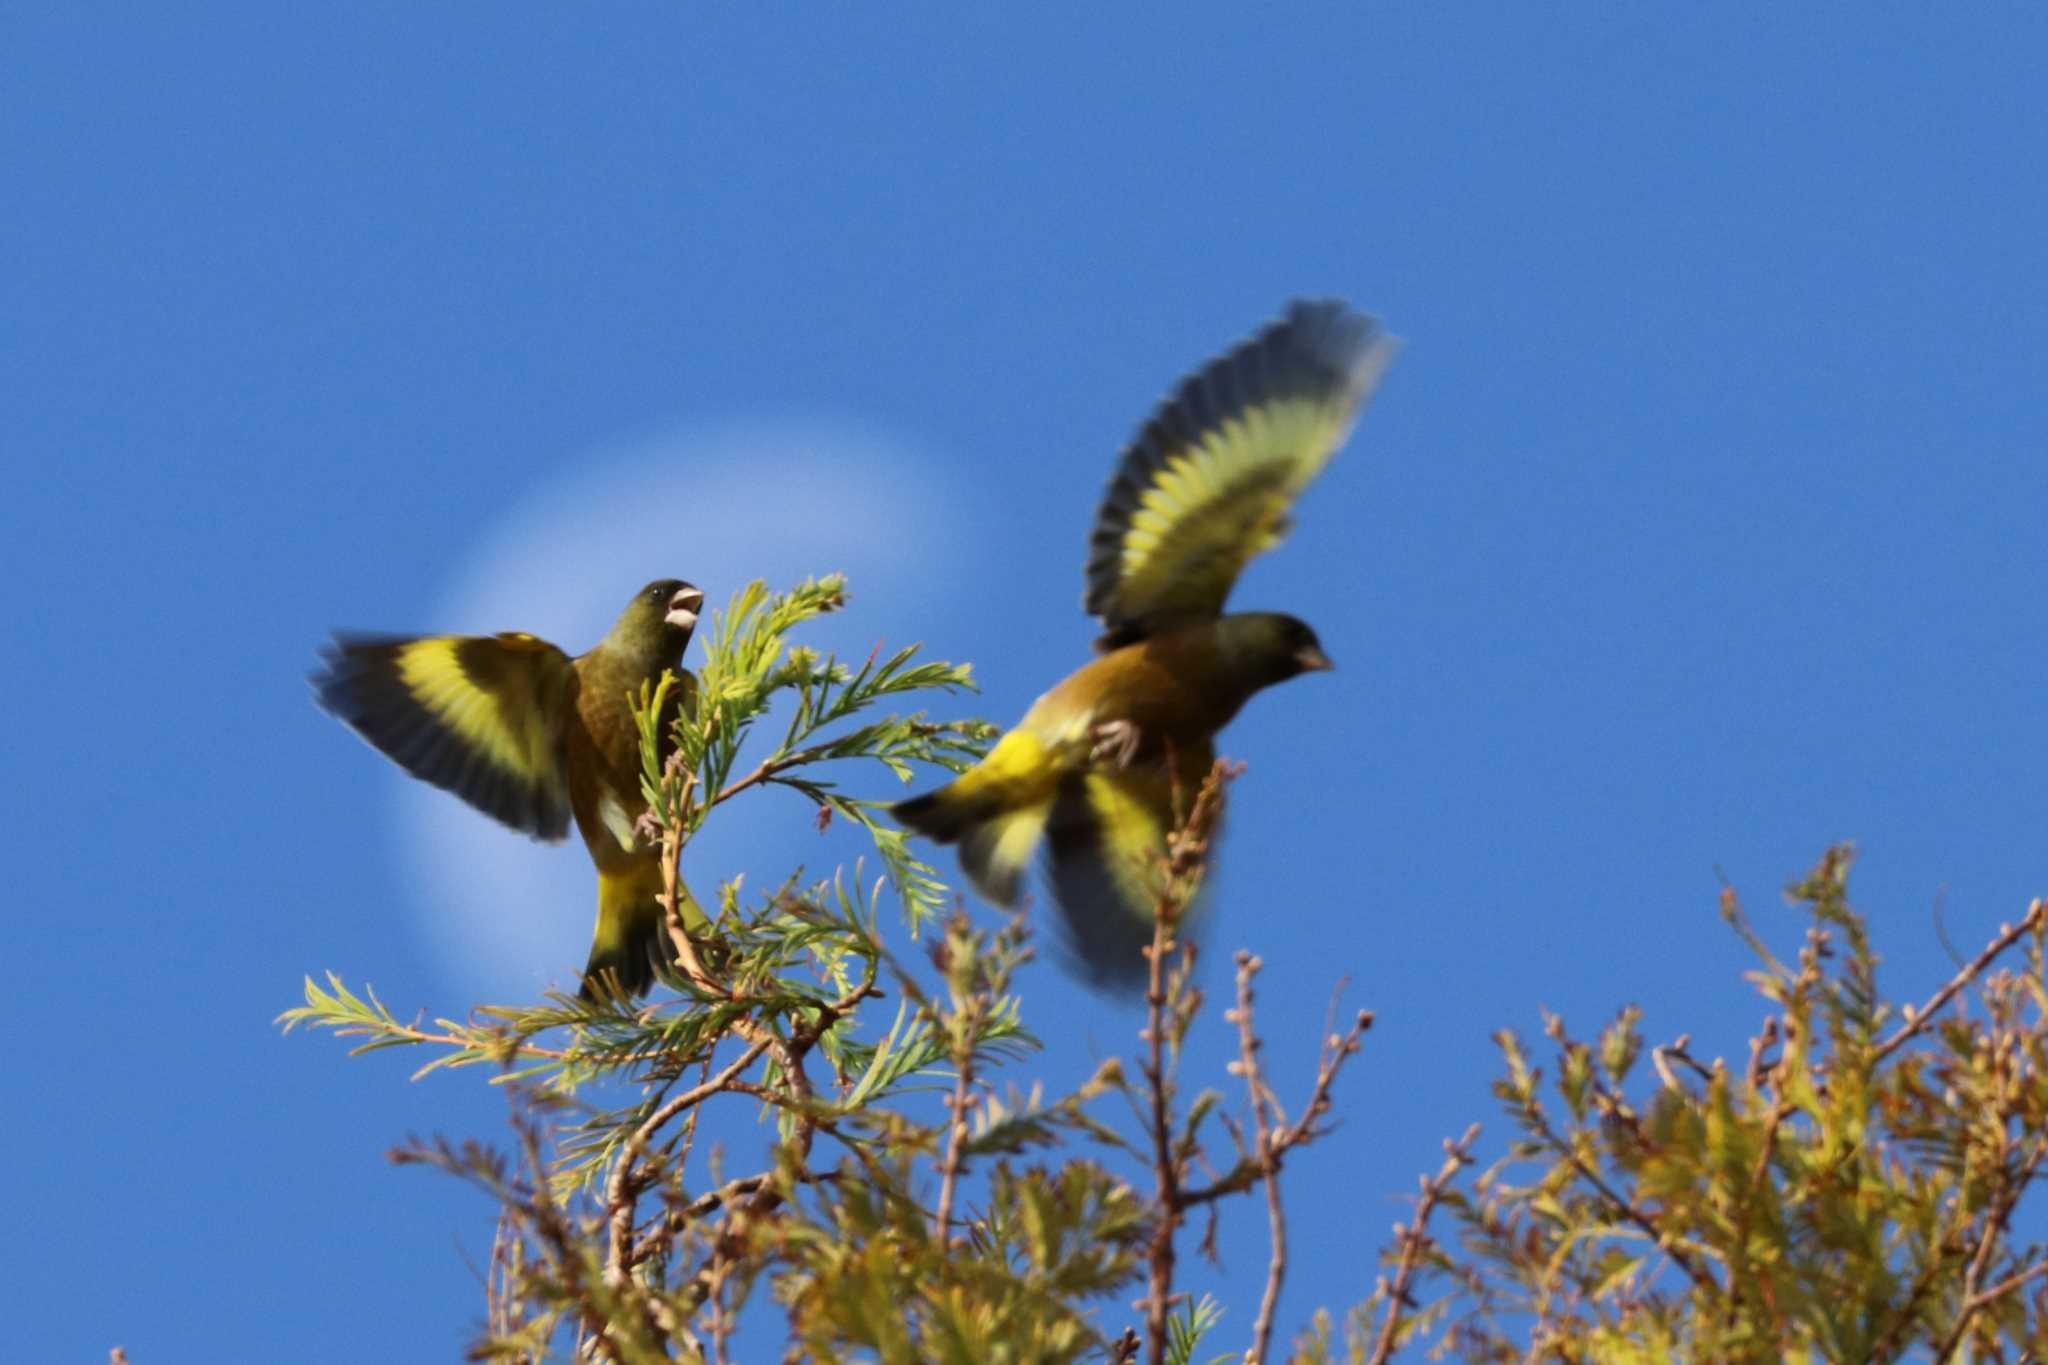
{"x": 997, "y": 852}
{"x": 996, "y": 812}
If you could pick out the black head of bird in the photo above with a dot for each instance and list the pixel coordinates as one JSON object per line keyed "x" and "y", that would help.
{"x": 657, "y": 623}
{"x": 1091, "y": 772}
{"x": 1263, "y": 648}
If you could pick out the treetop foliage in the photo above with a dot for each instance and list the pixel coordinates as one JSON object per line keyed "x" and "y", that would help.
{"x": 1848, "y": 1189}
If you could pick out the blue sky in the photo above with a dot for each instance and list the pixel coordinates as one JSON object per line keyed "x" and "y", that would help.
{"x": 1698, "y": 525}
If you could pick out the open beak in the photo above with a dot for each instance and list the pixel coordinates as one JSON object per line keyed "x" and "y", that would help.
{"x": 683, "y": 608}
{"x": 1313, "y": 660}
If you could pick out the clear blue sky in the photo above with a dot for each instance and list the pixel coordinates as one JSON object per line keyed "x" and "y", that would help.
{"x": 1700, "y": 524}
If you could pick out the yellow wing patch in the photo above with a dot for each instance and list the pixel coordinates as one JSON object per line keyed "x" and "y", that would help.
{"x": 479, "y": 716}
{"x": 503, "y": 726}
{"x": 1208, "y": 481}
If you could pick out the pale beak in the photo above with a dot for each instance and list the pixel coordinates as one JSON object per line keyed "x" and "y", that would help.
{"x": 1313, "y": 660}
{"x": 683, "y": 608}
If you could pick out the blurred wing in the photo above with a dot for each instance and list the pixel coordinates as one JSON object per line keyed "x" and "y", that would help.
{"x": 477, "y": 715}
{"x": 1106, "y": 861}
{"x": 1207, "y": 482}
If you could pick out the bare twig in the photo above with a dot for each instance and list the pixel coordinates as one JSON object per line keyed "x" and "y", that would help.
{"x": 1678, "y": 1050}
{"x": 965, "y": 1026}
{"x": 1895, "y": 1334}
{"x": 1159, "y": 1289}
{"x": 1976, "y": 1300}
{"x": 1335, "y": 1052}
{"x": 623, "y": 1188}
{"x": 1918, "y": 1019}
{"x": 721, "y": 1325}
{"x": 1260, "y": 1097}
{"x": 1186, "y": 848}
{"x": 1415, "y": 1243}
{"x": 1739, "y": 1276}
{"x": 1766, "y": 1036}
{"x": 1984, "y": 1298}
{"x": 956, "y": 1139}
{"x": 714, "y": 1200}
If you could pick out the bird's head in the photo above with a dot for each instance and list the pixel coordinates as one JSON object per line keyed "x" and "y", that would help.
{"x": 1269, "y": 647}
{"x": 657, "y": 623}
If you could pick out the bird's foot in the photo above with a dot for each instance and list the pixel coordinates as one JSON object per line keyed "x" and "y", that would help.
{"x": 1114, "y": 742}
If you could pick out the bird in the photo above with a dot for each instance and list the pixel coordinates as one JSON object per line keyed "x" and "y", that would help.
{"x": 1093, "y": 770}
{"x": 532, "y": 737}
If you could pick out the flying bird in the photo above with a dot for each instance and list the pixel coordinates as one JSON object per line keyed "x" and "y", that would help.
{"x": 1091, "y": 771}
{"x": 532, "y": 737}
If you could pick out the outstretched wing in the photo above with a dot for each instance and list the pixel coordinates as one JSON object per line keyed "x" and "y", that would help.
{"x": 477, "y": 715}
{"x": 1208, "y": 480}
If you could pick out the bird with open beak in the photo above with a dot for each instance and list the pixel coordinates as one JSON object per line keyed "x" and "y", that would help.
{"x": 531, "y": 737}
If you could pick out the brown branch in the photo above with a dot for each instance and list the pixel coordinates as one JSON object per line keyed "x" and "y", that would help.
{"x": 1269, "y": 1157}
{"x": 714, "y": 1200}
{"x": 2000, "y": 1213}
{"x": 1186, "y": 848}
{"x": 1765, "y": 1037}
{"x": 622, "y": 1190}
{"x": 1415, "y": 1242}
{"x": 1159, "y": 1288}
{"x": 1677, "y": 1051}
{"x": 1986, "y": 1297}
{"x": 671, "y": 909}
{"x": 1679, "y": 1257}
{"x": 721, "y": 1325}
{"x": 798, "y": 1098}
{"x": 768, "y": 768}
{"x": 681, "y": 1216}
{"x": 1895, "y": 1334}
{"x": 1335, "y": 1051}
{"x": 1918, "y": 1019}
{"x": 949, "y": 1166}
{"x": 1975, "y": 1301}
{"x": 956, "y": 1129}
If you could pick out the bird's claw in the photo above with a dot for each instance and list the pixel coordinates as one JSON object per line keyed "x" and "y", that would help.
{"x": 1115, "y": 742}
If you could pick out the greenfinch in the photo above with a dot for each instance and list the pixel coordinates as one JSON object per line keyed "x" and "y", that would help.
{"x": 532, "y": 737}
{"x": 1094, "y": 770}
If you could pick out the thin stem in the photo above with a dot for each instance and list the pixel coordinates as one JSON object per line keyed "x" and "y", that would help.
{"x": 2037, "y": 914}
{"x": 956, "y": 1131}
{"x": 1415, "y": 1242}
{"x": 1186, "y": 849}
{"x": 622, "y": 1189}
{"x": 1975, "y": 1300}
{"x": 1268, "y": 1155}
{"x": 1159, "y": 1290}
{"x": 769, "y": 767}
{"x": 1679, "y": 1256}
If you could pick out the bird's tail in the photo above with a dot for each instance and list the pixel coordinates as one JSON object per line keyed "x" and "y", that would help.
{"x": 631, "y": 946}
{"x": 996, "y": 812}
{"x": 1107, "y": 835}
